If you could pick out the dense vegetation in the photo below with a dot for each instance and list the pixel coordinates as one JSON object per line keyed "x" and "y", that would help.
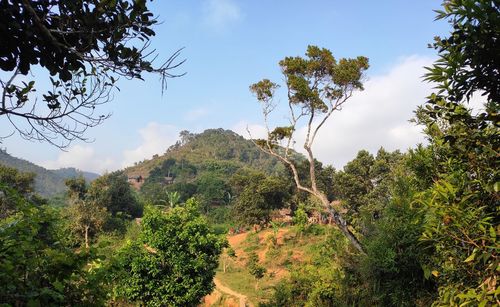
{"x": 428, "y": 219}
{"x": 414, "y": 228}
{"x": 92, "y": 252}
{"x": 201, "y": 149}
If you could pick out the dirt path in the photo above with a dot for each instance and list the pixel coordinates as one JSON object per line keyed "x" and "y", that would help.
{"x": 243, "y": 299}
{"x": 237, "y": 239}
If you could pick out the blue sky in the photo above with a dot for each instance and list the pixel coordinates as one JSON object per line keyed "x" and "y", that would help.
{"x": 230, "y": 44}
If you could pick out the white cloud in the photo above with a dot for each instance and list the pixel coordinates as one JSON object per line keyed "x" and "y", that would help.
{"x": 218, "y": 14}
{"x": 156, "y": 138}
{"x": 83, "y": 158}
{"x": 257, "y": 131}
{"x": 196, "y": 114}
{"x": 378, "y": 116}
{"x": 476, "y": 103}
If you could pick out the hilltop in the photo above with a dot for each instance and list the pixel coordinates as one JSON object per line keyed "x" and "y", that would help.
{"x": 47, "y": 182}
{"x": 219, "y": 145}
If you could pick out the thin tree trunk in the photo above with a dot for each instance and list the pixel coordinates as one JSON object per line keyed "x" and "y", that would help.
{"x": 341, "y": 223}
{"x": 86, "y": 236}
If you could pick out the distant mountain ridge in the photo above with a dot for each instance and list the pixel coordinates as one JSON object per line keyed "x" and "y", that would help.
{"x": 47, "y": 182}
{"x": 70, "y": 172}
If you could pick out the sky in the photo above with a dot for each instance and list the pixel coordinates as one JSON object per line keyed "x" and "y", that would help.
{"x": 230, "y": 44}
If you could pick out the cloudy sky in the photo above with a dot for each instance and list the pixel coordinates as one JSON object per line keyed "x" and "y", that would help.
{"x": 230, "y": 44}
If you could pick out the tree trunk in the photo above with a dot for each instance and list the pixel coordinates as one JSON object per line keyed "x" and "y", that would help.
{"x": 341, "y": 224}
{"x": 86, "y": 236}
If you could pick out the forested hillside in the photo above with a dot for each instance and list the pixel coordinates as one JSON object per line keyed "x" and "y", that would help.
{"x": 47, "y": 182}
{"x": 215, "y": 167}
{"x": 201, "y": 149}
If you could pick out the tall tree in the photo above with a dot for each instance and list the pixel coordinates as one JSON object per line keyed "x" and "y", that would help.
{"x": 85, "y": 45}
{"x": 86, "y": 215}
{"x": 363, "y": 186}
{"x": 317, "y": 86}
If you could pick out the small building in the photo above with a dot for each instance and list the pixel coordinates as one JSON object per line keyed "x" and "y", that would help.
{"x": 135, "y": 179}
{"x": 168, "y": 180}
{"x": 283, "y": 215}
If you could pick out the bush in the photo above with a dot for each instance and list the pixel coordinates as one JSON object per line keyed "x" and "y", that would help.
{"x": 173, "y": 261}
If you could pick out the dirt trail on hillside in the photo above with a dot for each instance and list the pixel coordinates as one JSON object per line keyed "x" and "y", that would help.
{"x": 237, "y": 239}
{"x": 243, "y": 299}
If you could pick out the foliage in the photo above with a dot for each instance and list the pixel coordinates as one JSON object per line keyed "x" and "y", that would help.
{"x": 22, "y": 183}
{"x": 173, "y": 198}
{"x": 321, "y": 281}
{"x": 392, "y": 264}
{"x": 212, "y": 189}
{"x": 463, "y": 238}
{"x": 212, "y": 145}
{"x": 104, "y": 205}
{"x": 317, "y": 85}
{"x": 36, "y": 267}
{"x": 84, "y": 46}
{"x": 220, "y": 217}
{"x": 199, "y": 170}
{"x": 300, "y": 219}
{"x": 77, "y": 187}
{"x": 258, "y": 196}
{"x": 113, "y": 192}
{"x": 173, "y": 261}
{"x": 86, "y": 218}
{"x": 363, "y": 186}
{"x": 255, "y": 269}
{"x": 462, "y": 205}
{"x": 48, "y": 183}
{"x": 468, "y": 58}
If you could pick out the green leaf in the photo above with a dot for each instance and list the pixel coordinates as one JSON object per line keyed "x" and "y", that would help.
{"x": 59, "y": 286}
{"x": 483, "y": 303}
{"x": 493, "y": 233}
{"x": 427, "y": 271}
{"x": 470, "y": 258}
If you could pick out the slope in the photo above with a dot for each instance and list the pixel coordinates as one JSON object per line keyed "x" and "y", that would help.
{"x": 47, "y": 182}
{"x": 211, "y": 145}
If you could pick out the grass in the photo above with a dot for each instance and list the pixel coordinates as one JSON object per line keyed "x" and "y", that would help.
{"x": 292, "y": 249}
{"x": 241, "y": 281}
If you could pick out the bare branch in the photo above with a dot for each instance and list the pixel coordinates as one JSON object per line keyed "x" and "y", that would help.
{"x": 315, "y": 90}
{"x": 69, "y": 118}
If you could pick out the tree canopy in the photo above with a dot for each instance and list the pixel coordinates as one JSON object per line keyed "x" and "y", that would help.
{"x": 173, "y": 261}
{"x": 317, "y": 85}
{"x": 85, "y": 46}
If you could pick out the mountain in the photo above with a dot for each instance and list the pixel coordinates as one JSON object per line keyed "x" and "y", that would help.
{"x": 71, "y": 172}
{"x": 212, "y": 146}
{"x": 47, "y": 182}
